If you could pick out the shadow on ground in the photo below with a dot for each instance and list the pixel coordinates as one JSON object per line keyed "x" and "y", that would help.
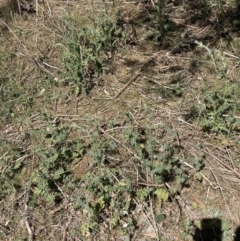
{"x": 211, "y": 229}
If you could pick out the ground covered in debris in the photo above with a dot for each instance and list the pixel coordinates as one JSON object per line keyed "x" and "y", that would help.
{"x": 120, "y": 120}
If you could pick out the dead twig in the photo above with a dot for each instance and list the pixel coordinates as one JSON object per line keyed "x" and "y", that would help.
{"x": 218, "y": 160}
{"x": 29, "y": 229}
{"x": 153, "y": 218}
{"x": 133, "y": 79}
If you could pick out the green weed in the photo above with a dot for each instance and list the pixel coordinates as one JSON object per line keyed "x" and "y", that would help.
{"x": 220, "y": 108}
{"x": 205, "y": 7}
{"x": 161, "y": 18}
{"x": 162, "y": 23}
{"x": 110, "y": 191}
{"x": 87, "y": 49}
{"x": 53, "y": 171}
{"x": 133, "y": 160}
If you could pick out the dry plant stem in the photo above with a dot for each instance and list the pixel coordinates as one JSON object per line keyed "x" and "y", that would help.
{"x": 231, "y": 55}
{"x": 34, "y": 59}
{"x": 114, "y": 176}
{"x": 153, "y": 3}
{"x": 10, "y": 30}
{"x": 19, "y": 7}
{"x": 3, "y": 155}
{"x": 3, "y": 229}
{"x": 225, "y": 165}
{"x": 49, "y": 8}
{"x": 221, "y": 190}
{"x": 42, "y": 68}
{"x": 133, "y": 79}
{"x": 153, "y": 218}
{"x": 203, "y": 176}
{"x": 221, "y": 162}
{"x": 61, "y": 191}
{"x": 168, "y": 187}
{"x": 150, "y": 223}
{"x": 177, "y": 135}
{"x": 36, "y": 29}
{"x": 65, "y": 229}
{"x": 50, "y": 66}
{"x": 30, "y": 232}
{"x": 230, "y": 159}
{"x": 59, "y": 208}
{"x": 125, "y": 87}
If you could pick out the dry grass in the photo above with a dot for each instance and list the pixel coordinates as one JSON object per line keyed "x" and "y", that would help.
{"x": 141, "y": 80}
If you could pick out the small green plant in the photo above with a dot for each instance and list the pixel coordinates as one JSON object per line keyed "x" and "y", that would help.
{"x": 220, "y": 5}
{"x": 205, "y": 7}
{"x": 210, "y": 52}
{"x": 218, "y": 61}
{"x": 161, "y": 18}
{"x": 220, "y": 108}
{"x": 12, "y": 168}
{"x": 81, "y": 61}
{"x": 87, "y": 49}
{"x": 109, "y": 197}
{"x": 91, "y": 173}
{"x": 109, "y": 191}
{"x": 53, "y": 170}
{"x": 190, "y": 227}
